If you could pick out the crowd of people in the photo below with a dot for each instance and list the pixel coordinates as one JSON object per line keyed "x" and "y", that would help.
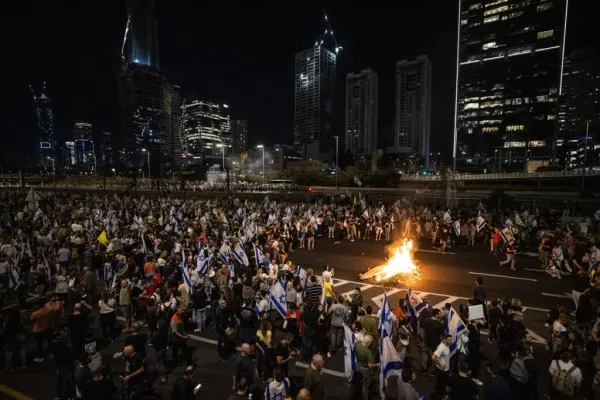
{"x": 170, "y": 266}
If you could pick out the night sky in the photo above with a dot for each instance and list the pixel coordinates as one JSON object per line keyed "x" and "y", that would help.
{"x": 237, "y": 54}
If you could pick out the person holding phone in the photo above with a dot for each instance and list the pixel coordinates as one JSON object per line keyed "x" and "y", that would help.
{"x": 184, "y": 389}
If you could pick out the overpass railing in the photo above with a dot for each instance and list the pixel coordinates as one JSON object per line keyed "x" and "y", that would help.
{"x": 503, "y": 176}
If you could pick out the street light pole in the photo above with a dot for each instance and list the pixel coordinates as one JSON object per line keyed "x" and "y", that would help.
{"x": 587, "y": 131}
{"x": 336, "y": 161}
{"x": 223, "y": 149}
{"x": 148, "y": 164}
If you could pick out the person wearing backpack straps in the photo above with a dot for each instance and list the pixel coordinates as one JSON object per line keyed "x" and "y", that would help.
{"x": 566, "y": 377}
{"x": 523, "y": 374}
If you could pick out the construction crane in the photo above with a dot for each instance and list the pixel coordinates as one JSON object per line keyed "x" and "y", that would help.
{"x": 125, "y": 37}
{"x": 329, "y": 32}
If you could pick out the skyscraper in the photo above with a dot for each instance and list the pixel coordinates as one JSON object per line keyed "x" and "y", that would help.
{"x": 142, "y": 34}
{"x": 239, "y": 136}
{"x": 314, "y": 88}
{"x": 579, "y": 116}
{"x": 206, "y": 129}
{"x": 84, "y": 145}
{"x": 509, "y": 81}
{"x": 413, "y": 107}
{"x": 145, "y": 100}
{"x": 176, "y": 111}
{"x": 107, "y": 154}
{"x": 45, "y": 140}
{"x": 362, "y": 107}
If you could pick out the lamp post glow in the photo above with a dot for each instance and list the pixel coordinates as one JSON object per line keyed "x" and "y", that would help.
{"x": 260, "y": 146}
{"x": 147, "y": 151}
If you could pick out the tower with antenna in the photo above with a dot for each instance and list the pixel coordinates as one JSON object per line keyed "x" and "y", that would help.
{"x": 314, "y": 77}
{"x": 45, "y": 143}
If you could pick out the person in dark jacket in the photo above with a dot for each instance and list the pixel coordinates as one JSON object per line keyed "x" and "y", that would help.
{"x": 200, "y": 300}
{"x": 64, "y": 358}
{"x": 184, "y": 389}
{"x": 159, "y": 343}
{"x": 496, "y": 387}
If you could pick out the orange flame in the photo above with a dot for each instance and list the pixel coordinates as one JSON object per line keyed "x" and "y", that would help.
{"x": 399, "y": 263}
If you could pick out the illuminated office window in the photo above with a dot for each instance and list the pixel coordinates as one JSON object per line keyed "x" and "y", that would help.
{"x": 545, "y": 34}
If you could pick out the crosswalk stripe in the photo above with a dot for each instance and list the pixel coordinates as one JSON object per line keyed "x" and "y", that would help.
{"x": 562, "y": 296}
{"x": 378, "y": 300}
{"x": 362, "y": 289}
{"x": 442, "y": 304}
{"x": 339, "y": 282}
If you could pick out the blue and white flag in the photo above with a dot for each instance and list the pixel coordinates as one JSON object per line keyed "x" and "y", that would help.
{"x": 415, "y": 303}
{"x": 323, "y": 297}
{"x": 13, "y": 278}
{"x": 455, "y": 326}
{"x": 480, "y": 223}
{"x": 390, "y": 363}
{"x": 202, "y": 263}
{"x": 349, "y": 356}
{"x": 277, "y": 298}
{"x": 385, "y": 321}
{"x": 173, "y": 219}
{"x": 225, "y": 253}
{"x": 186, "y": 276}
{"x": 301, "y": 274}
{"x": 447, "y": 217}
{"x": 274, "y": 392}
{"x": 240, "y": 254}
{"x": 260, "y": 258}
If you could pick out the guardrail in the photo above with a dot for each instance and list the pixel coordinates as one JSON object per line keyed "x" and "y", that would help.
{"x": 503, "y": 176}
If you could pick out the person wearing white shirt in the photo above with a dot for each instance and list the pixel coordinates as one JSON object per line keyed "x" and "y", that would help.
{"x": 564, "y": 370}
{"x": 441, "y": 359}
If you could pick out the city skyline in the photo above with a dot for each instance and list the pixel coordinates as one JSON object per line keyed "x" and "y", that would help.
{"x": 268, "y": 111}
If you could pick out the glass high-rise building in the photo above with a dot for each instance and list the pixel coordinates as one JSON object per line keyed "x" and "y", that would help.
{"x": 413, "y": 107}
{"x": 509, "y": 81}
{"x": 313, "y": 105}
{"x": 45, "y": 136}
{"x": 239, "y": 136}
{"x": 84, "y": 145}
{"x": 107, "y": 154}
{"x": 362, "y": 107}
{"x": 176, "y": 138}
{"x": 206, "y": 129}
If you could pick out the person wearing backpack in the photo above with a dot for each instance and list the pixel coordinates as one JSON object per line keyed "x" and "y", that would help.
{"x": 520, "y": 374}
{"x": 566, "y": 377}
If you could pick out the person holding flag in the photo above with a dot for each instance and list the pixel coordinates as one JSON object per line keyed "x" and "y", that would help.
{"x": 441, "y": 360}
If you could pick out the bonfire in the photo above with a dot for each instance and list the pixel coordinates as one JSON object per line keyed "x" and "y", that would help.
{"x": 399, "y": 266}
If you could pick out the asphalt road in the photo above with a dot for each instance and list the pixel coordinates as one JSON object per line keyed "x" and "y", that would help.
{"x": 444, "y": 278}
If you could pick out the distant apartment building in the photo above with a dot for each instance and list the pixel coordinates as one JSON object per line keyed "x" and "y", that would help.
{"x": 413, "y": 107}
{"x": 362, "y": 107}
{"x": 239, "y": 136}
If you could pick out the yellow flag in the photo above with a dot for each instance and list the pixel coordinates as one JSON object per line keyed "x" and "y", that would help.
{"x": 355, "y": 202}
{"x": 102, "y": 238}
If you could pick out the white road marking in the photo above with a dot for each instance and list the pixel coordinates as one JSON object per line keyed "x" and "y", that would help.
{"x": 378, "y": 300}
{"x": 362, "y": 289}
{"x": 561, "y": 296}
{"x": 442, "y": 304}
{"x": 339, "y": 282}
{"x": 535, "y": 270}
{"x": 536, "y": 338}
{"x": 536, "y": 309}
{"x": 504, "y": 276}
{"x": 434, "y": 252}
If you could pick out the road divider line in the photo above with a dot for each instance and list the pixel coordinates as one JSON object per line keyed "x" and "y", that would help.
{"x": 14, "y": 393}
{"x": 434, "y": 252}
{"x": 378, "y": 300}
{"x": 561, "y": 296}
{"x": 504, "y": 276}
{"x": 442, "y": 304}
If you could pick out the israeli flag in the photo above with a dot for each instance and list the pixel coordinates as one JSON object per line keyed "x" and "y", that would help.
{"x": 277, "y": 298}
{"x": 225, "y": 222}
{"x": 240, "y": 254}
{"x": 456, "y": 226}
{"x": 323, "y": 297}
{"x": 202, "y": 263}
{"x": 13, "y": 278}
{"x": 259, "y": 257}
{"x": 385, "y": 321}
{"x": 480, "y": 223}
{"x": 447, "y": 217}
{"x": 225, "y": 253}
{"x": 507, "y": 234}
{"x": 186, "y": 276}
{"x": 390, "y": 363}
{"x": 272, "y": 220}
{"x": 415, "y": 303}
{"x": 173, "y": 217}
{"x": 349, "y": 356}
{"x": 365, "y": 214}
{"x": 455, "y": 326}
